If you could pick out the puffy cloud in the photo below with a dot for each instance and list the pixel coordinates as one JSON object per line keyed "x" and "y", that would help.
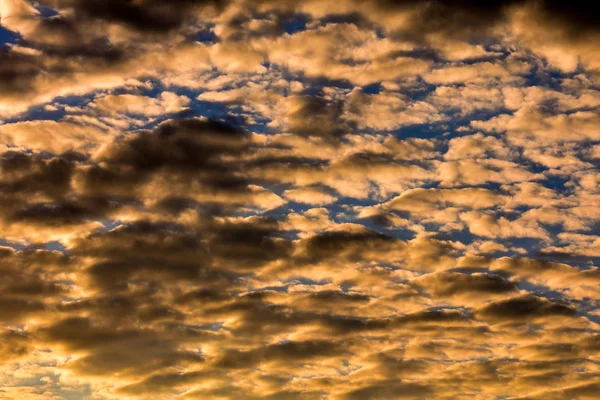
{"x": 309, "y": 195}
{"x": 487, "y": 225}
{"x": 422, "y": 201}
{"x": 345, "y": 51}
{"x": 55, "y": 137}
{"x": 167, "y": 103}
{"x": 528, "y": 126}
{"x": 389, "y": 111}
{"x": 476, "y": 146}
{"x": 476, "y": 73}
{"x": 462, "y": 287}
{"x": 479, "y": 172}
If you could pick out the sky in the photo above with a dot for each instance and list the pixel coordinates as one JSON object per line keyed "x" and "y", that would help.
{"x": 299, "y": 200}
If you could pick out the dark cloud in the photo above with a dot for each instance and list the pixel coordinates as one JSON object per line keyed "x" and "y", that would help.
{"x": 144, "y": 250}
{"x": 30, "y": 282}
{"x": 57, "y": 53}
{"x": 186, "y": 144}
{"x": 524, "y": 307}
{"x": 65, "y": 212}
{"x": 129, "y": 351}
{"x": 468, "y": 18}
{"x": 433, "y": 317}
{"x": 390, "y": 389}
{"x": 314, "y": 115}
{"x": 29, "y": 175}
{"x": 160, "y": 383}
{"x": 14, "y": 309}
{"x": 151, "y": 16}
{"x": 17, "y": 71}
{"x": 338, "y": 298}
{"x": 204, "y": 296}
{"x": 576, "y": 17}
{"x": 288, "y": 352}
{"x": 180, "y": 151}
{"x": 255, "y": 241}
{"x": 448, "y": 284}
{"x": 348, "y": 245}
{"x": 450, "y": 17}
{"x": 14, "y": 344}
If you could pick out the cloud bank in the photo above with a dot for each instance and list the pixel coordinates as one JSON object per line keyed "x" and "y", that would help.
{"x": 288, "y": 200}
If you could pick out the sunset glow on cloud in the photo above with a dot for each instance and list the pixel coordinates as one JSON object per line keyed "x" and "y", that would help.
{"x": 299, "y": 200}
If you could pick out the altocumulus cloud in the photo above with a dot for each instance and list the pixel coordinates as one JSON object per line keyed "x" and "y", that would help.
{"x": 289, "y": 200}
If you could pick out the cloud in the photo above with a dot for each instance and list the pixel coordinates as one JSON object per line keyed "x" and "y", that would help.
{"x": 167, "y": 103}
{"x": 476, "y": 73}
{"x": 309, "y": 195}
{"x": 450, "y": 284}
{"x": 298, "y": 200}
{"x": 423, "y": 200}
{"x": 52, "y": 136}
{"x": 527, "y": 306}
{"x": 345, "y": 52}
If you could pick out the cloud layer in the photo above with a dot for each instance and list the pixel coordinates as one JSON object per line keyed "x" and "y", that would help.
{"x": 239, "y": 199}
